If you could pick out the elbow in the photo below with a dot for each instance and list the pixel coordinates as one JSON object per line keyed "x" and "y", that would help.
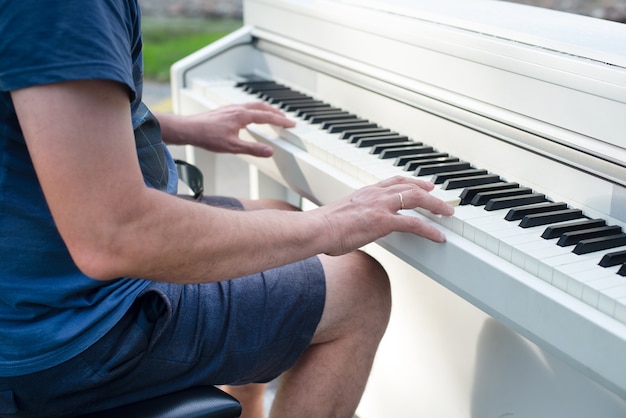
{"x": 97, "y": 261}
{"x": 111, "y": 244}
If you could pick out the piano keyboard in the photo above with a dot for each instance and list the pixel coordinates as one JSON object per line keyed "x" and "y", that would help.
{"x": 582, "y": 256}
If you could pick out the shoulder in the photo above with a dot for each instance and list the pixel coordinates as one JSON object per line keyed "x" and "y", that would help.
{"x": 45, "y": 41}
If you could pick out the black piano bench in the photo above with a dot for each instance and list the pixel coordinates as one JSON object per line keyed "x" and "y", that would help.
{"x": 194, "y": 402}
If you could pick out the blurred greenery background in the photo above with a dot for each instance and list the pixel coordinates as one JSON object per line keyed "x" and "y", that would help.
{"x": 166, "y": 40}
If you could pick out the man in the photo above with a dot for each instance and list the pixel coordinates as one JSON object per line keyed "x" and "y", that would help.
{"x": 114, "y": 290}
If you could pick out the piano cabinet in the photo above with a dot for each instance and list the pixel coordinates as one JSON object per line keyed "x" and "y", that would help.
{"x": 496, "y": 322}
{"x": 443, "y": 357}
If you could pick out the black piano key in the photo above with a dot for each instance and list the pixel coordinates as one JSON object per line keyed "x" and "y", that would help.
{"x": 260, "y": 86}
{"x": 442, "y": 177}
{"x": 426, "y": 170}
{"x": 251, "y": 79}
{"x": 482, "y": 198}
{"x": 280, "y": 91}
{"x": 622, "y": 270}
{"x": 538, "y": 219}
{"x": 514, "y": 201}
{"x": 518, "y": 213}
{"x": 314, "y": 120}
{"x": 378, "y": 148}
{"x": 258, "y": 91}
{"x": 244, "y": 83}
{"x": 416, "y": 151}
{"x": 304, "y": 114}
{"x": 282, "y": 102}
{"x": 598, "y": 244}
{"x": 328, "y": 125}
{"x": 295, "y": 105}
{"x": 317, "y": 110}
{"x": 376, "y": 140}
{"x": 571, "y": 238}
{"x": 274, "y": 96}
{"x": 556, "y": 231}
{"x": 256, "y": 86}
{"x": 398, "y": 152}
{"x": 415, "y": 164}
{"x": 356, "y": 138}
{"x": 468, "y": 194}
{"x": 307, "y": 112}
{"x": 334, "y": 128}
{"x": 402, "y": 161}
{"x": 613, "y": 259}
{"x": 356, "y": 134}
{"x": 466, "y": 182}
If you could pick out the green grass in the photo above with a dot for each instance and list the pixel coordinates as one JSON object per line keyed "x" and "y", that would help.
{"x": 168, "y": 40}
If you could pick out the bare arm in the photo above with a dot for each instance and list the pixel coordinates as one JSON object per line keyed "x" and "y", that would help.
{"x": 80, "y": 138}
{"x": 218, "y": 130}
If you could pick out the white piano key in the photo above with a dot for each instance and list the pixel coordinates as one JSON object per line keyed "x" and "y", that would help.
{"x": 620, "y": 309}
{"x": 594, "y": 277}
{"x": 609, "y": 297}
{"x": 595, "y": 285}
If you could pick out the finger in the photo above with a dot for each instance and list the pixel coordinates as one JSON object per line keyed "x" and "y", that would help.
{"x": 258, "y": 150}
{"x": 418, "y": 227}
{"x": 261, "y": 116}
{"x": 414, "y": 197}
{"x": 252, "y": 148}
{"x": 262, "y": 106}
{"x": 404, "y": 180}
{"x": 260, "y": 112}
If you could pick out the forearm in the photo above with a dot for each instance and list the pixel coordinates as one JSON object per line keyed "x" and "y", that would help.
{"x": 218, "y": 130}
{"x": 173, "y": 128}
{"x": 191, "y": 242}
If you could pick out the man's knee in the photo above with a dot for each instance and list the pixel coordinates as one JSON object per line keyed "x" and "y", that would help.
{"x": 373, "y": 279}
{"x": 358, "y": 294}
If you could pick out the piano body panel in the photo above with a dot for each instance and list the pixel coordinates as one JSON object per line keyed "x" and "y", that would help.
{"x": 535, "y": 309}
{"x": 524, "y": 79}
{"x": 453, "y": 360}
{"x": 486, "y": 302}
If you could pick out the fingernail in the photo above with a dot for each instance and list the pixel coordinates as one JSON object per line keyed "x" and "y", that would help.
{"x": 266, "y": 151}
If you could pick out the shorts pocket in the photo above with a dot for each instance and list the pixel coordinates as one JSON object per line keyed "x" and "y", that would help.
{"x": 123, "y": 348}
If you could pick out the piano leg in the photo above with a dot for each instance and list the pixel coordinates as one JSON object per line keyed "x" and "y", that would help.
{"x": 443, "y": 357}
{"x": 262, "y": 186}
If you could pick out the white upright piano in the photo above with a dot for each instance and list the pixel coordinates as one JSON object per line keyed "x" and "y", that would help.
{"x": 517, "y": 113}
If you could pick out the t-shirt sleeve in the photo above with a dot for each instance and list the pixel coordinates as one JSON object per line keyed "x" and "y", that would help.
{"x": 50, "y": 41}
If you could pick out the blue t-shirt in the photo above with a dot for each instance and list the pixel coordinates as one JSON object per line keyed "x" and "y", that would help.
{"x": 49, "y": 310}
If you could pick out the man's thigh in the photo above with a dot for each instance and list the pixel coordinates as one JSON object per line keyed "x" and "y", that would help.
{"x": 240, "y": 331}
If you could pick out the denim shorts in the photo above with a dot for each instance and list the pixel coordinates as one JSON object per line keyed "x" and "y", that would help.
{"x": 244, "y": 330}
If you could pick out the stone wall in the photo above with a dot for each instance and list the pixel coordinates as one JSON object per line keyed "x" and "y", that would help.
{"x": 604, "y": 9}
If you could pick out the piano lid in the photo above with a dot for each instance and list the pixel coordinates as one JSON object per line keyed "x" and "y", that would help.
{"x": 559, "y": 77}
{"x": 570, "y": 34}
